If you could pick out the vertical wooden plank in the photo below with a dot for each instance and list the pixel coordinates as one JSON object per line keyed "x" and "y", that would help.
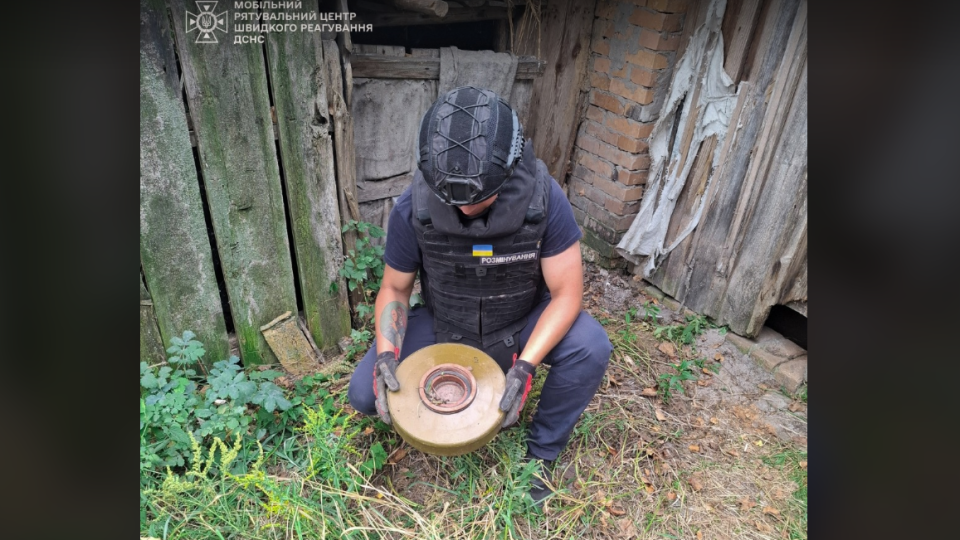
{"x": 296, "y": 73}
{"x": 344, "y": 150}
{"x": 175, "y": 251}
{"x": 227, "y": 93}
{"x": 554, "y": 114}
{"x": 737, "y": 40}
{"x": 151, "y": 344}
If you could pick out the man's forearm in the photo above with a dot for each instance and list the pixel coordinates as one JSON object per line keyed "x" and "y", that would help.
{"x": 554, "y": 323}
{"x": 391, "y": 320}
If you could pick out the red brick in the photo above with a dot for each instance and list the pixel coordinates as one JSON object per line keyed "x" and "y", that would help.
{"x": 599, "y": 81}
{"x": 659, "y": 5}
{"x": 645, "y": 130}
{"x": 659, "y": 41}
{"x": 607, "y": 102}
{"x": 605, "y": 28}
{"x": 602, "y": 168}
{"x": 621, "y": 73}
{"x": 638, "y": 94}
{"x": 662, "y": 22}
{"x": 647, "y": 59}
{"x": 626, "y": 160}
{"x": 676, "y": 6}
{"x": 624, "y": 126}
{"x": 595, "y": 113}
{"x": 618, "y": 190}
{"x": 630, "y": 144}
{"x": 600, "y": 46}
{"x": 673, "y": 23}
{"x": 632, "y": 178}
{"x": 622, "y": 208}
{"x": 601, "y": 133}
{"x": 644, "y": 76}
{"x": 601, "y": 64}
{"x": 589, "y": 144}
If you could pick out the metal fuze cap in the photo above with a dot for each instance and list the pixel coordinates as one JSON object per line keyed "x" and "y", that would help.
{"x": 470, "y": 142}
{"x": 449, "y": 397}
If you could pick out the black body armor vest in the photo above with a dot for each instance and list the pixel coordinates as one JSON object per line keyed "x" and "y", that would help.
{"x": 481, "y": 277}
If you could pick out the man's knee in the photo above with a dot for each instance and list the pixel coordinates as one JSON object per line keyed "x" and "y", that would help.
{"x": 588, "y": 345}
{"x": 360, "y": 391}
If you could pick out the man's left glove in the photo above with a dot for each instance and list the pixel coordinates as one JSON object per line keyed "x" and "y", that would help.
{"x": 519, "y": 380}
{"x": 385, "y": 377}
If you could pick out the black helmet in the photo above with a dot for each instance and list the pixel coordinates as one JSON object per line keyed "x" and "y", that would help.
{"x": 470, "y": 142}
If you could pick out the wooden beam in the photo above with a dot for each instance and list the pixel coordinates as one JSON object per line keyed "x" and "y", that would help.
{"x": 306, "y": 148}
{"x": 377, "y": 66}
{"x": 226, "y": 86}
{"x": 454, "y": 15}
{"x": 437, "y": 8}
{"x": 175, "y": 253}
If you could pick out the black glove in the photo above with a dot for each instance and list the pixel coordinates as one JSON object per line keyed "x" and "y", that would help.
{"x": 519, "y": 380}
{"x": 384, "y": 377}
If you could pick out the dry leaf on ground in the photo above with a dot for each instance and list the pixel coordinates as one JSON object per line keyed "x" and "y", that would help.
{"x": 718, "y": 357}
{"x": 746, "y": 503}
{"x": 668, "y": 349}
{"x": 396, "y": 456}
{"x": 695, "y": 483}
{"x": 660, "y": 416}
{"x": 694, "y": 447}
{"x": 616, "y": 510}
{"x": 771, "y": 510}
{"x": 648, "y": 392}
{"x": 763, "y": 527}
{"x": 627, "y": 528}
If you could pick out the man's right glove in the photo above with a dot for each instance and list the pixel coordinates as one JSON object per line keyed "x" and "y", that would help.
{"x": 385, "y": 377}
{"x": 519, "y": 380}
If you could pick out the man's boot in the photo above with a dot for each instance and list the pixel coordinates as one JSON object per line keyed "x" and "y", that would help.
{"x": 538, "y": 488}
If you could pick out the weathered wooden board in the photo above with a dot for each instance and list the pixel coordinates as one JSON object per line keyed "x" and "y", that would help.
{"x": 566, "y": 27}
{"x": 295, "y": 61}
{"x": 388, "y": 187}
{"x": 755, "y": 216}
{"x": 454, "y": 15}
{"x": 226, "y": 87}
{"x": 151, "y": 344}
{"x": 386, "y": 119}
{"x": 381, "y": 66}
{"x": 175, "y": 252}
{"x": 739, "y": 25}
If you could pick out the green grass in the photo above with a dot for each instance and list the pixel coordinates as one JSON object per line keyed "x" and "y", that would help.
{"x": 623, "y": 473}
{"x": 793, "y": 463}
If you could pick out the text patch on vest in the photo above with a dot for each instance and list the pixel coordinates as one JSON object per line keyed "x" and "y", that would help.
{"x": 512, "y": 258}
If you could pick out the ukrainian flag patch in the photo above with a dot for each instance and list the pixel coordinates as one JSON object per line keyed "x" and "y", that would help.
{"x": 483, "y": 250}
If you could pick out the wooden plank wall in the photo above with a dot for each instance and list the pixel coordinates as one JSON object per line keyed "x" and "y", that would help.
{"x": 306, "y": 147}
{"x": 175, "y": 253}
{"x": 564, "y": 41}
{"x": 748, "y": 252}
{"x": 253, "y": 193}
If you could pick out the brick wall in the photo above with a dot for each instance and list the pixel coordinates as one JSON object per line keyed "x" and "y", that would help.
{"x": 633, "y": 50}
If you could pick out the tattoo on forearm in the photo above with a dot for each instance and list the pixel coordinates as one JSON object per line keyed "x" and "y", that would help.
{"x": 393, "y": 323}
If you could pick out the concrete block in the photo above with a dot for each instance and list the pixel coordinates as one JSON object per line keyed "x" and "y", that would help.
{"x": 791, "y": 373}
{"x": 773, "y": 342}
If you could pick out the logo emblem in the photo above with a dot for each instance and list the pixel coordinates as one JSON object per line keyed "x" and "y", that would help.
{"x": 206, "y": 22}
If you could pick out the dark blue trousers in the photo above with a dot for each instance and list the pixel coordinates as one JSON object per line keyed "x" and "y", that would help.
{"x": 577, "y": 365}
